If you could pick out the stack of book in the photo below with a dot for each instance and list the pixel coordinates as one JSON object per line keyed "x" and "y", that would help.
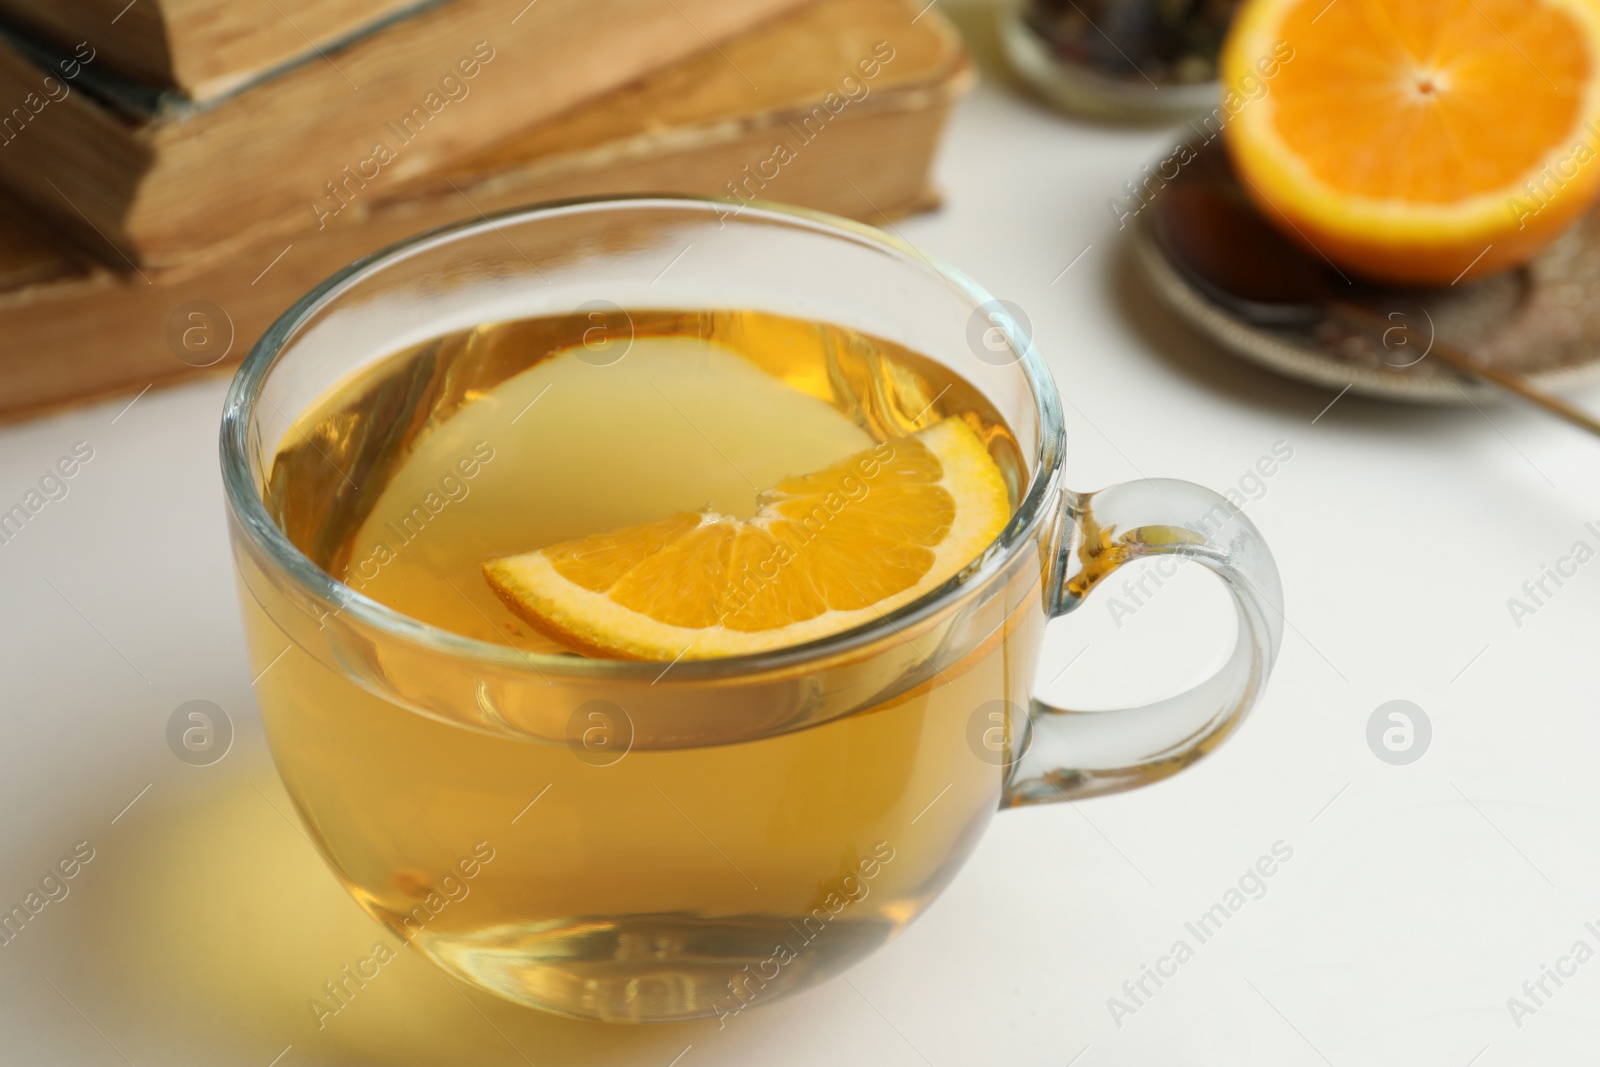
{"x": 174, "y": 173}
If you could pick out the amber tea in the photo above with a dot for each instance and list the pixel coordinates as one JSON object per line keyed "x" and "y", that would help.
{"x": 746, "y": 868}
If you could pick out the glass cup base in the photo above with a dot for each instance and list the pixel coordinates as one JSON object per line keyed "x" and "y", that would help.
{"x": 657, "y": 968}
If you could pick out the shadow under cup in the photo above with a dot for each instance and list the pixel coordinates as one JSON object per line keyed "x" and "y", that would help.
{"x": 609, "y": 839}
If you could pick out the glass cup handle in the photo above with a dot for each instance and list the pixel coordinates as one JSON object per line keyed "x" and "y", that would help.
{"x": 1068, "y": 755}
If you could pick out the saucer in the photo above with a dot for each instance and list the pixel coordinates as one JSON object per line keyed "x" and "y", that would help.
{"x": 1541, "y": 320}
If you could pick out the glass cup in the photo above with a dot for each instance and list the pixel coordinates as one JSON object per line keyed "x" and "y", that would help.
{"x": 615, "y": 840}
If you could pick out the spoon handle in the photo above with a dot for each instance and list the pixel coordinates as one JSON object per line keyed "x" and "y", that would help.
{"x": 1461, "y": 360}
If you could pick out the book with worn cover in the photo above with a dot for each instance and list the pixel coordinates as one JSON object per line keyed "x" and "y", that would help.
{"x": 147, "y": 179}
{"x": 203, "y": 48}
{"x": 838, "y": 107}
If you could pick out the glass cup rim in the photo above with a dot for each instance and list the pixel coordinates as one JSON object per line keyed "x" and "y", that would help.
{"x": 248, "y": 508}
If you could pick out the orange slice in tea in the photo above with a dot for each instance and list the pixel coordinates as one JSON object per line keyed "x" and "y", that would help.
{"x": 825, "y": 552}
{"x": 1417, "y": 142}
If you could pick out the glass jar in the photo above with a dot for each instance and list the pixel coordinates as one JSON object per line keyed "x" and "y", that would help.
{"x": 1125, "y": 60}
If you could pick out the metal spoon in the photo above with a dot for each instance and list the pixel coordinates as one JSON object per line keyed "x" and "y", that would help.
{"x": 1235, "y": 257}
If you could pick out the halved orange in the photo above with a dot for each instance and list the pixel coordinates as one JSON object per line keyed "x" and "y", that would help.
{"x": 824, "y": 552}
{"x": 1417, "y": 141}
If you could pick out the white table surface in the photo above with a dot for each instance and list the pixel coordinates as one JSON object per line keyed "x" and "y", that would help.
{"x": 1418, "y": 898}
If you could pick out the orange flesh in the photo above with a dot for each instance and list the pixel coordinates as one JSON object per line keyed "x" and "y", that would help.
{"x": 694, "y": 571}
{"x": 1431, "y": 101}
